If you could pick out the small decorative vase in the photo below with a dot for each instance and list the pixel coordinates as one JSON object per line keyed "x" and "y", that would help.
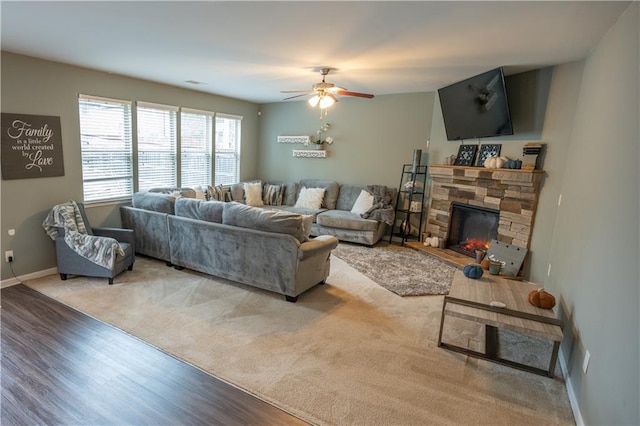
{"x": 319, "y": 146}
{"x": 494, "y": 268}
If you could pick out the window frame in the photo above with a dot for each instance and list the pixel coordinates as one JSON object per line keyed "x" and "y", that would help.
{"x": 236, "y": 152}
{"x": 126, "y": 153}
{"x": 208, "y": 152}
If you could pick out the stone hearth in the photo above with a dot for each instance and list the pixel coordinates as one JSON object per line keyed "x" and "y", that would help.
{"x": 513, "y": 192}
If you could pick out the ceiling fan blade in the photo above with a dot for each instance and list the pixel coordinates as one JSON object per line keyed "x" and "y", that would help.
{"x": 360, "y": 95}
{"x": 297, "y": 96}
{"x": 335, "y": 89}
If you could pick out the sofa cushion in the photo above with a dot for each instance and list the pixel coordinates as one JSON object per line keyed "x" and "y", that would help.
{"x": 346, "y": 220}
{"x": 210, "y": 211}
{"x": 276, "y": 221}
{"x": 348, "y": 196}
{"x": 289, "y": 193}
{"x": 154, "y": 201}
{"x": 332, "y": 189}
{"x": 237, "y": 192}
{"x": 310, "y": 198}
{"x": 307, "y": 212}
{"x": 187, "y": 207}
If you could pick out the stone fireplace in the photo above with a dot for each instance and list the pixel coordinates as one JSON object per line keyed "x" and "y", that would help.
{"x": 512, "y": 193}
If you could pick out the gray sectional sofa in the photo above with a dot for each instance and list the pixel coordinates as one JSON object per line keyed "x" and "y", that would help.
{"x": 280, "y": 246}
{"x": 258, "y": 247}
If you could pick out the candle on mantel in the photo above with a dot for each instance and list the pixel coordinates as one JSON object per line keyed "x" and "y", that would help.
{"x": 417, "y": 156}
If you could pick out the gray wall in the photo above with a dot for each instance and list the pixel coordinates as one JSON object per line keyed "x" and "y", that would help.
{"x": 595, "y": 245}
{"x": 33, "y": 86}
{"x": 373, "y": 138}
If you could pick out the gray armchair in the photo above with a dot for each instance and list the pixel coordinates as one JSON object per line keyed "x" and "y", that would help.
{"x": 72, "y": 263}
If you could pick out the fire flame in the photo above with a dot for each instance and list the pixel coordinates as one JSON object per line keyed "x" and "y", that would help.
{"x": 472, "y": 245}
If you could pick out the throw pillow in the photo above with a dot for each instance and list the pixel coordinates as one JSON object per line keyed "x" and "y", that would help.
{"x": 210, "y": 193}
{"x": 272, "y": 195}
{"x": 215, "y": 193}
{"x": 310, "y": 198}
{"x": 253, "y": 194}
{"x": 199, "y": 193}
{"x": 363, "y": 203}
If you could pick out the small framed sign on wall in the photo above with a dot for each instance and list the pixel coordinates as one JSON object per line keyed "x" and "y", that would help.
{"x": 31, "y": 146}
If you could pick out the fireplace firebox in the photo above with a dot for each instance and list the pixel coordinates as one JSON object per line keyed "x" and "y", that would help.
{"x": 472, "y": 228}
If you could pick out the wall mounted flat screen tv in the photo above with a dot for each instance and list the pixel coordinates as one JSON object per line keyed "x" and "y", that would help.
{"x": 476, "y": 107}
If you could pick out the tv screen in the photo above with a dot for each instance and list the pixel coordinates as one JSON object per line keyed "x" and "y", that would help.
{"x": 476, "y": 107}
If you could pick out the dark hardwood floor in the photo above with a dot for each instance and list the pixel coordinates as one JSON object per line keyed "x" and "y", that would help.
{"x": 60, "y": 366}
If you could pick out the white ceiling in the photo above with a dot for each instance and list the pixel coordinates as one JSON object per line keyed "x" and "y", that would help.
{"x": 252, "y": 50}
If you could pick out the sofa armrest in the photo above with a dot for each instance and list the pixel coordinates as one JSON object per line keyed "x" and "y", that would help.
{"x": 319, "y": 244}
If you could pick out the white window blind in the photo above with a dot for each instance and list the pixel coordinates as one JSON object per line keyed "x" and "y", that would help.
{"x": 196, "y": 146}
{"x": 106, "y": 148}
{"x": 157, "y": 145}
{"x": 227, "y": 168}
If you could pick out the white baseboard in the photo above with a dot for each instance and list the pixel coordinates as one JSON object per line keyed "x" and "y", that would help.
{"x": 570, "y": 392}
{"x": 34, "y": 275}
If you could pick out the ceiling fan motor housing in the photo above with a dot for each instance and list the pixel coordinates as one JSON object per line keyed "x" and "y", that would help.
{"x": 322, "y": 86}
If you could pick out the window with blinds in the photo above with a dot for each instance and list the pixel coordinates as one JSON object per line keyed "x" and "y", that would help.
{"x": 157, "y": 145}
{"x": 227, "y": 167}
{"x": 196, "y": 142}
{"x": 106, "y": 148}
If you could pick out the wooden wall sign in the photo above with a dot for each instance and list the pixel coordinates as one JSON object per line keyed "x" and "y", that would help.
{"x": 31, "y": 146}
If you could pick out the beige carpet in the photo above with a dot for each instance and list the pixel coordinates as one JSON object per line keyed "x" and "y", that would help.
{"x": 348, "y": 352}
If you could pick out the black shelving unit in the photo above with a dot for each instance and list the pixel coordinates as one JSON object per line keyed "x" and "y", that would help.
{"x": 404, "y": 214}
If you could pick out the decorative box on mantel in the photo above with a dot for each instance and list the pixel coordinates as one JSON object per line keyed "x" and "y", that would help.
{"x": 309, "y": 153}
{"x": 513, "y": 192}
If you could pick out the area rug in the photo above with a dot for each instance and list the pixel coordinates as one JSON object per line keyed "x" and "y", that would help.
{"x": 401, "y": 270}
{"x": 347, "y": 353}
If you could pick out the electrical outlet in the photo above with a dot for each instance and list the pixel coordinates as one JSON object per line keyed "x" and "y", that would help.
{"x": 8, "y": 256}
{"x": 585, "y": 363}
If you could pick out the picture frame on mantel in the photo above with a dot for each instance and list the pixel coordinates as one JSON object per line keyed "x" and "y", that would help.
{"x": 466, "y": 155}
{"x": 486, "y": 151}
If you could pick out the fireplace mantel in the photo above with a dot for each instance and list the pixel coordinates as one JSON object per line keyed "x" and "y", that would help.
{"x": 514, "y": 192}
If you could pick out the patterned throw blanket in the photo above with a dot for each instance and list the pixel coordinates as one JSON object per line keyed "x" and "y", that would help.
{"x": 99, "y": 250}
{"x": 382, "y": 208}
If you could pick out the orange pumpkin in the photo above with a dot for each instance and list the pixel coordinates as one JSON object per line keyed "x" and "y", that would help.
{"x": 485, "y": 264}
{"x": 542, "y": 299}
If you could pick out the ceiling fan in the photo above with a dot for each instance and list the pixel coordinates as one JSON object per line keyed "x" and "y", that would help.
{"x": 324, "y": 93}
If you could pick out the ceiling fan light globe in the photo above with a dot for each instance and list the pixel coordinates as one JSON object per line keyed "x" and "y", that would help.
{"x": 327, "y": 100}
{"x": 313, "y": 101}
